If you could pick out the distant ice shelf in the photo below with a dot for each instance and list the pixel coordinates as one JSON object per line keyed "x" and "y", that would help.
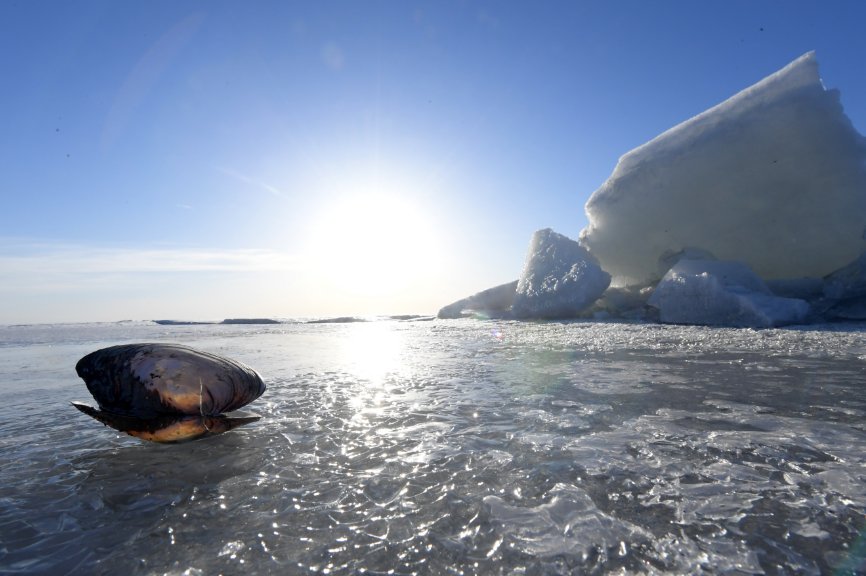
{"x": 226, "y": 321}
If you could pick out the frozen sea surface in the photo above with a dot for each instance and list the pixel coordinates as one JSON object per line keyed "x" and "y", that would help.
{"x": 452, "y": 447}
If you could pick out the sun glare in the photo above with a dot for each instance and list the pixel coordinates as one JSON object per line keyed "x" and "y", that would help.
{"x": 371, "y": 243}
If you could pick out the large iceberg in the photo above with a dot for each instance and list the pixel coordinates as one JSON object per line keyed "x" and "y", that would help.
{"x": 774, "y": 177}
{"x": 752, "y": 213}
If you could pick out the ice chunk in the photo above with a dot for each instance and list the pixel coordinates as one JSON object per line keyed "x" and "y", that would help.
{"x": 774, "y": 177}
{"x": 494, "y": 302}
{"x": 560, "y": 278}
{"x": 845, "y": 291}
{"x": 802, "y": 288}
{"x": 847, "y": 282}
{"x": 667, "y": 260}
{"x": 852, "y": 309}
{"x": 623, "y": 302}
{"x": 722, "y": 293}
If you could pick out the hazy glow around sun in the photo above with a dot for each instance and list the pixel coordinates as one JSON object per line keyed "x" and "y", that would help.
{"x": 373, "y": 241}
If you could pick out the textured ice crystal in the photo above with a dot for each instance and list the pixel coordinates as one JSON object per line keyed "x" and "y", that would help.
{"x": 559, "y": 280}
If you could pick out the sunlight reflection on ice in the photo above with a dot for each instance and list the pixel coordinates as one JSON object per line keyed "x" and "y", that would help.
{"x": 373, "y": 351}
{"x": 406, "y": 448}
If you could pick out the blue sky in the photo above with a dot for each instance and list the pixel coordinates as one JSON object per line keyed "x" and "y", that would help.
{"x": 205, "y": 160}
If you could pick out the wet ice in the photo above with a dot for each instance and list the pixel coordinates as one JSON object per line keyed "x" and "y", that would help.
{"x": 460, "y": 445}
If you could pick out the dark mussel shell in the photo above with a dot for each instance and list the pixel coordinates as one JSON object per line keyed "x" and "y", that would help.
{"x": 168, "y": 428}
{"x": 152, "y": 380}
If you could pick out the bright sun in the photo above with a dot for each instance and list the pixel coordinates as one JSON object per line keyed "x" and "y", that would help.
{"x": 370, "y": 243}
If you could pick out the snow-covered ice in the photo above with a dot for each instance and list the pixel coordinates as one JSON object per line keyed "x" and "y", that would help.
{"x": 848, "y": 282}
{"x": 844, "y": 291}
{"x": 712, "y": 292}
{"x": 559, "y": 280}
{"x": 774, "y": 177}
{"x": 752, "y": 213}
